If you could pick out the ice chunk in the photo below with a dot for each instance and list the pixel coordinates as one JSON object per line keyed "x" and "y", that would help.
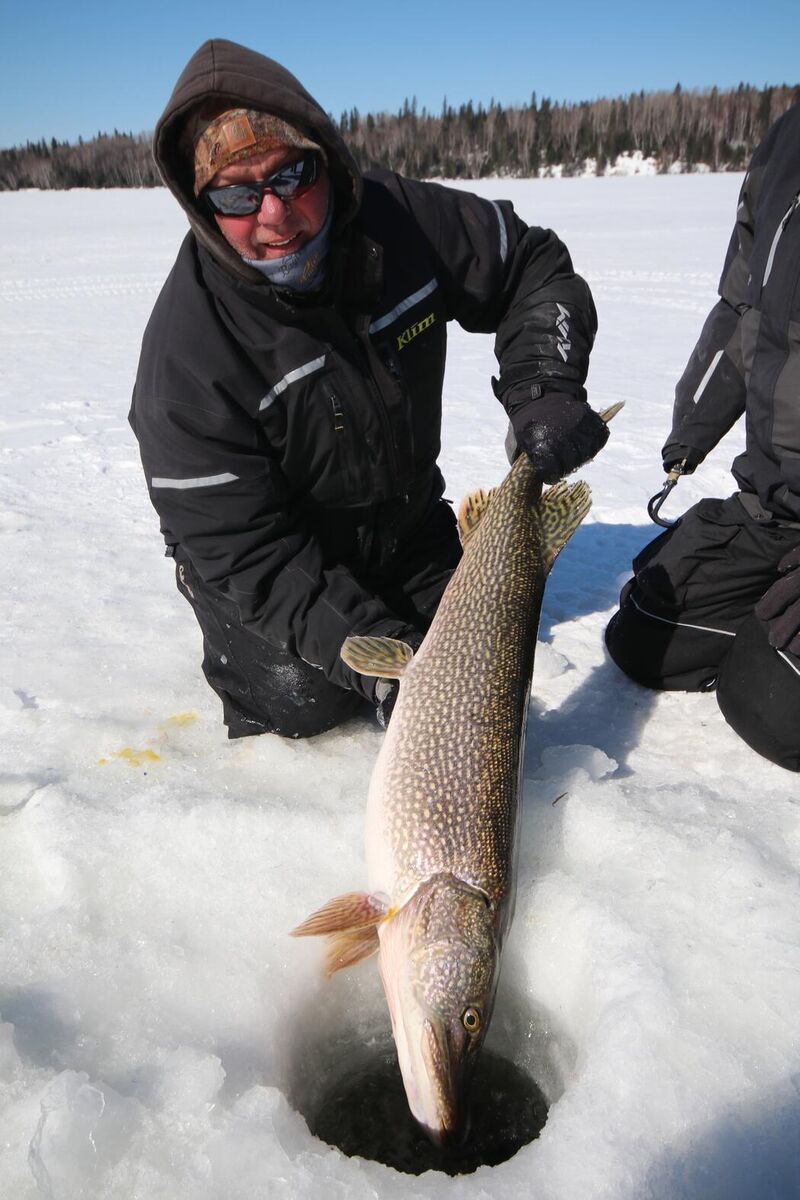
{"x": 84, "y": 1129}
{"x": 190, "y": 1080}
{"x": 575, "y": 764}
{"x": 265, "y": 1142}
{"x": 549, "y": 663}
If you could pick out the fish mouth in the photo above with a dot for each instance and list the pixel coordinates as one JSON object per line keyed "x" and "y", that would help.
{"x": 443, "y": 1067}
{"x": 431, "y": 1055}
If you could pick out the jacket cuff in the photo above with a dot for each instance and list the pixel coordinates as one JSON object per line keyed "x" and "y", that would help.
{"x": 675, "y": 452}
{"x": 514, "y": 394}
{"x": 527, "y": 410}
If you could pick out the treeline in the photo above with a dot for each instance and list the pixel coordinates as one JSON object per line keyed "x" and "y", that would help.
{"x": 679, "y": 129}
{"x": 108, "y": 160}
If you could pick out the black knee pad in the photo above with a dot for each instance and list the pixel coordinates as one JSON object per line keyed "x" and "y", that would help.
{"x": 659, "y": 653}
{"x": 287, "y": 697}
{"x": 286, "y": 722}
{"x": 759, "y": 695}
{"x": 263, "y": 689}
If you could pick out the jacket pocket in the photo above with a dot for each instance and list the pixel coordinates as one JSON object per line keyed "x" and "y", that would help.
{"x": 350, "y": 450}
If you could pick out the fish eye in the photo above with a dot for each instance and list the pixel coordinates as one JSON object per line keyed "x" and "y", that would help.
{"x": 471, "y": 1020}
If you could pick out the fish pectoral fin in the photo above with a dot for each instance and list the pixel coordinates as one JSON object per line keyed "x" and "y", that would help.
{"x": 559, "y": 513}
{"x": 471, "y": 512}
{"x": 352, "y": 913}
{"x": 347, "y": 949}
{"x": 350, "y": 924}
{"x": 382, "y": 656}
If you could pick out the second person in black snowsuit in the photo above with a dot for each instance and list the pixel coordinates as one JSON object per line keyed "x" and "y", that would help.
{"x": 288, "y": 398}
{"x": 715, "y": 601}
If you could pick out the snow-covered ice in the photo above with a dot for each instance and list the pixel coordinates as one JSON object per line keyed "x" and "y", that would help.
{"x": 158, "y": 1029}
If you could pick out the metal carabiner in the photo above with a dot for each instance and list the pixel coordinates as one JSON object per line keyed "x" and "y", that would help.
{"x": 655, "y": 502}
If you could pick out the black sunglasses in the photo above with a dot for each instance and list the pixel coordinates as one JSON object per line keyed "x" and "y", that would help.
{"x": 244, "y": 199}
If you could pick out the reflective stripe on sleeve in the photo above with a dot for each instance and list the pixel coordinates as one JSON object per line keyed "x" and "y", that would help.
{"x": 200, "y": 481}
{"x": 704, "y": 381}
{"x": 778, "y": 234}
{"x": 503, "y": 233}
{"x": 308, "y": 368}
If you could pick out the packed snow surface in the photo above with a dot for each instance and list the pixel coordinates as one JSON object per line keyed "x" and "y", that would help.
{"x": 159, "y": 1031}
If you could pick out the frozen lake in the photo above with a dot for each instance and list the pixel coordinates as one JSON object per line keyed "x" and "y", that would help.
{"x": 160, "y": 1034}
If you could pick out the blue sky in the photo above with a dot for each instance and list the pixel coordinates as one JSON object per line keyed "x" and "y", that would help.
{"x": 76, "y": 68}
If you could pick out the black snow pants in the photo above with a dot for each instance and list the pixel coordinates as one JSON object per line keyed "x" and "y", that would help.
{"x": 264, "y": 689}
{"x": 686, "y": 623}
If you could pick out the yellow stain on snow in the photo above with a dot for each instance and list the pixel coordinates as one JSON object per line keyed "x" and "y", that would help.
{"x": 137, "y": 758}
{"x": 134, "y": 758}
{"x": 186, "y": 718}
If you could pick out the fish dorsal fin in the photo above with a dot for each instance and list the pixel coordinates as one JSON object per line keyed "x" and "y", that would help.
{"x": 559, "y": 513}
{"x": 471, "y": 512}
{"x": 382, "y": 656}
{"x": 349, "y": 923}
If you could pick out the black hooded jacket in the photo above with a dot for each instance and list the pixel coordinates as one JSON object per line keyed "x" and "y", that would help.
{"x": 290, "y": 445}
{"x": 748, "y": 355}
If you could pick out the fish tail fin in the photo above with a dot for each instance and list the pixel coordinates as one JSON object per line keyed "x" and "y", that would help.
{"x": 609, "y": 413}
{"x": 559, "y": 513}
{"x": 349, "y": 923}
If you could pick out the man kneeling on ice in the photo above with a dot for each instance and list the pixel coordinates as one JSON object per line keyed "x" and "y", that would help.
{"x": 289, "y": 392}
{"x": 714, "y": 603}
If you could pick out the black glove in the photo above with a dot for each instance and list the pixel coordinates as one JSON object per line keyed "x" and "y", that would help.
{"x": 558, "y": 433}
{"x": 780, "y": 605}
{"x": 386, "y": 690}
{"x": 684, "y": 461}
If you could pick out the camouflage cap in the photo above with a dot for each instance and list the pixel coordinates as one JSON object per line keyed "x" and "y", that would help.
{"x": 237, "y": 134}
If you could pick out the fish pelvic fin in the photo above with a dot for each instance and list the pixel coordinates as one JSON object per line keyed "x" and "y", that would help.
{"x": 347, "y": 949}
{"x": 559, "y": 513}
{"x": 350, "y": 924}
{"x": 471, "y": 512}
{"x": 382, "y": 656}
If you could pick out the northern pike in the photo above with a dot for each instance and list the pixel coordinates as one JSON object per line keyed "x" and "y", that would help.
{"x": 443, "y": 804}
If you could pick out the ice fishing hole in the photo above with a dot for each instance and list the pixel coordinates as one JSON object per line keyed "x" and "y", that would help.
{"x": 346, "y": 1083}
{"x": 365, "y": 1113}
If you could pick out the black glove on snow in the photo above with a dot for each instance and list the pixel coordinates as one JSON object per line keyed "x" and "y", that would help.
{"x": 780, "y": 605}
{"x": 558, "y": 433}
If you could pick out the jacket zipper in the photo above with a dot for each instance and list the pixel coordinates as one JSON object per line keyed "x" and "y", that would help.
{"x": 778, "y": 233}
{"x": 338, "y": 413}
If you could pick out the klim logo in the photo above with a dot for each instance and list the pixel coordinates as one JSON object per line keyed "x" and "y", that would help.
{"x": 562, "y": 326}
{"x": 409, "y": 334}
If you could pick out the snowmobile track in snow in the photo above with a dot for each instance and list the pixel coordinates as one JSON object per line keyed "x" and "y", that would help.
{"x": 43, "y": 288}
